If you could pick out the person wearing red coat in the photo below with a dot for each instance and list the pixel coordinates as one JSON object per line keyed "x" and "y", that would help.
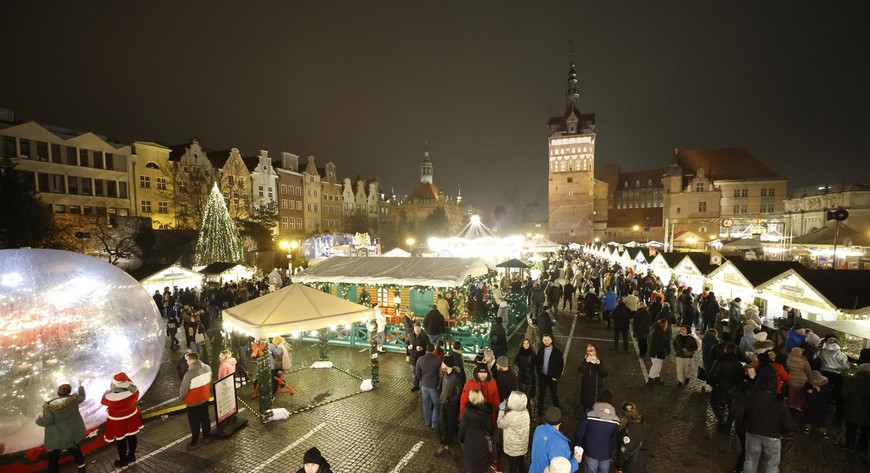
{"x": 123, "y": 418}
{"x": 483, "y": 382}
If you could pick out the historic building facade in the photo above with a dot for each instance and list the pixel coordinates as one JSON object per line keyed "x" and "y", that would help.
{"x": 154, "y": 188}
{"x": 73, "y": 172}
{"x": 571, "y": 176}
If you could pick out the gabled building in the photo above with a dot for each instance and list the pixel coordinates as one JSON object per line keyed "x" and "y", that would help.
{"x": 154, "y": 188}
{"x": 331, "y": 216}
{"x": 264, "y": 179}
{"x": 234, "y": 181}
{"x": 193, "y": 175}
{"x": 290, "y": 194}
{"x": 311, "y": 200}
{"x": 72, "y": 172}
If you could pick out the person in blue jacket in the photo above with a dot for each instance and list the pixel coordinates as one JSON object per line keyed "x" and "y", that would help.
{"x": 596, "y": 433}
{"x": 796, "y": 336}
{"x": 549, "y": 443}
{"x": 608, "y": 303}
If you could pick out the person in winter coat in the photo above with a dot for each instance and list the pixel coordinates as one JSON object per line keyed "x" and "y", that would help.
{"x": 725, "y": 375}
{"x": 545, "y": 323}
{"x": 667, "y": 314}
{"x": 526, "y": 372}
{"x": 795, "y": 337}
{"x": 483, "y": 382}
{"x": 549, "y": 443}
{"x": 181, "y": 366}
{"x": 475, "y": 427}
{"x": 498, "y": 338}
{"x": 451, "y": 391}
{"x": 228, "y": 364}
{"x": 660, "y": 347}
{"x": 195, "y": 391}
{"x": 833, "y": 363}
{"x": 592, "y": 370}
{"x": 608, "y": 304}
{"x": 751, "y": 314}
{"x": 123, "y": 418}
{"x": 513, "y": 419}
{"x": 642, "y": 323}
{"x": 282, "y": 352}
{"x": 685, "y": 346}
{"x": 630, "y": 456}
{"x": 172, "y": 331}
{"x": 799, "y": 371}
{"x": 505, "y": 379}
{"x": 747, "y": 339}
{"x": 590, "y": 303}
{"x": 621, "y": 318}
{"x": 735, "y": 318}
{"x": 64, "y": 426}
{"x": 313, "y": 462}
{"x": 709, "y": 311}
{"x": 708, "y": 341}
{"x": 856, "y": 398}
{"x": 433, "y": 324}
{"x": 596, "y": 432}
{"x": 766, "y": 420}
{"x": 550, "y": 364}
{"x": 816, "y": 406}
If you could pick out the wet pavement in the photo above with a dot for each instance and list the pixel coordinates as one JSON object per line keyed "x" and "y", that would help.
{"x": 383, "y": 430}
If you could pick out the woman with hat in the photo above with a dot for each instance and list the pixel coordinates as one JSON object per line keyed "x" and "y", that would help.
{"x": 592, "y": 370}
{"x": 64, "y": 427}
{"x": 123, "y": 419}
{"x": 475, "y": 433}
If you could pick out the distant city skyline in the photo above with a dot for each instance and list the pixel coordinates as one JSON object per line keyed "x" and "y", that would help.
{"x": 366, "y": 87}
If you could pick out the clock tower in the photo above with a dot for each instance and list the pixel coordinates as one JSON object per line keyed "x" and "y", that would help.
{"x": 571, "y": 176}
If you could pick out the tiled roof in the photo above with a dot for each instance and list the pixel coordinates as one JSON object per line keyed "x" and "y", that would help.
{"x": 424, "y": 192}
{"x": 654, "y": 175}
{"x": 757, "y": 272}
{"x": 731, "y": 164}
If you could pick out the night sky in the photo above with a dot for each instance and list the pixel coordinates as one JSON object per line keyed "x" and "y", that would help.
{"x": 364, "y": 84}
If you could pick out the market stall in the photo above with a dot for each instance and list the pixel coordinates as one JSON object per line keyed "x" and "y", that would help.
{"x": 737, "y": 277}
{"x": 221, "y": 273}
{"x": 156, "y": 277}
{"x": 692, "y": 271}
{"x": 664, "y": 264}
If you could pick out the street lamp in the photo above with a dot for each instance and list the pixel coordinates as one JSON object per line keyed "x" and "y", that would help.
{"x": 636, "y": 235}
{"x": 410, "y": 242}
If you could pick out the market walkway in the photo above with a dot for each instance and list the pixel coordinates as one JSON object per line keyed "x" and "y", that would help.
{"x": 383, "y": 431}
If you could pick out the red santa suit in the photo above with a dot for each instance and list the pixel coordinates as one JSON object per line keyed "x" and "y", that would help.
{"x": 123, "y": 418}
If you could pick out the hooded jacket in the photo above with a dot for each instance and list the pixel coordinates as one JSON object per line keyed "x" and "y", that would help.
{"x": 596, "y": 431}
{"x": 227, "y": 367}
{"x": 63, "y": 422}
{"x": 515, "y": 424}
{"x": 661, "y": 341}
{"x": 487, "y": 387}
{"x": 833, "y": 359}
{"x": 798, "y": 368}
{"x": 525, "y": 361}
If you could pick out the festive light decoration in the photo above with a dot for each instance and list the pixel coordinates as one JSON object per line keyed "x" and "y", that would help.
{"x": 65, "y": 316}
{"x": 219, "y": 240}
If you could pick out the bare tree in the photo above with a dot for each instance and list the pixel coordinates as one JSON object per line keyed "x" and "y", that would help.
{"x": 192, "y": 186}
{"x": 115, "y": 240}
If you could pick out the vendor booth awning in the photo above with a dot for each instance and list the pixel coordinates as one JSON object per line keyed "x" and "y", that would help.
{"x": 295, "y": 308}
{"x": 513, "y": 263}
{"x": 224, "y": 272}
{"x": 413, "y": 271}
{"x": 156, "y": 277}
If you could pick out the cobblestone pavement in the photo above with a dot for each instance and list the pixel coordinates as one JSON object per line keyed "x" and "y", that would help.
{"x": 383, "y": 430}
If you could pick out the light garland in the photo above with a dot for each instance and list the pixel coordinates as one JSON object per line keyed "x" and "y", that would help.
{"x": 219, "y": 240}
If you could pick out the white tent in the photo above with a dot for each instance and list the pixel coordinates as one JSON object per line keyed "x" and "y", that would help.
{"x": 157, "y": 277}
{"x": 295, "y": 308}
{"x": 397, "y": 253}
{"x": 539, "y": 244}
{"x": 437, "y": 272}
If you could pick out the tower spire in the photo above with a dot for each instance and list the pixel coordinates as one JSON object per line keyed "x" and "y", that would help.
{"x": 573, "y": 92}
{"x": 426, "y": 167}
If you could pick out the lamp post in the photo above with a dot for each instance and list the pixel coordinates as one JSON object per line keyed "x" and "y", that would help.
{"x": 636, "y": 228}
{"x": 410, "y": 242}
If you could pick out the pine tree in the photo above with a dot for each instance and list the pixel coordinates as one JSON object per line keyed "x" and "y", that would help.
{"x": 219, "y": 239}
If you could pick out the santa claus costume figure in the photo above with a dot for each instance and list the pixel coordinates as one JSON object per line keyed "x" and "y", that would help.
{"x": 123, "y": 419}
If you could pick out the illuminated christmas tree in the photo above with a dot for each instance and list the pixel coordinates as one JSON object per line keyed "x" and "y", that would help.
{"x": 219, "y": 240}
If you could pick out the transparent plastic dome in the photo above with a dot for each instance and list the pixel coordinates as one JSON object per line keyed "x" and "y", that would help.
{"x": 64, "y": 316}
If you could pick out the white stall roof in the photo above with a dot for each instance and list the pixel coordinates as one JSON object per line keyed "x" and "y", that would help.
{"x": 412, "y": 271}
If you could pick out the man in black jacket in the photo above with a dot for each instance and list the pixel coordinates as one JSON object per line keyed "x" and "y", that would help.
{"x": 550, "y": 365}
{"x": 417, "y": 341}
{"x": 766, "y": 419}
{"x": 433, "y": 324}
{"x": 505, "y": 379}
{"x": 725, "y": 374}
{"x": 621, "y": 317}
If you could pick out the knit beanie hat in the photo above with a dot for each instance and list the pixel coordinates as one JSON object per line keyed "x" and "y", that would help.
{"x": 448, "y": 361}
{"x": 312, "y": 456}
{"x": 553, "y": 415}
{"x": 502, "y": 361}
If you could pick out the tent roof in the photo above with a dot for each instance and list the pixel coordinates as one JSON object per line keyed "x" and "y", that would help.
{"x": 146, "y": 270}
{"x": 474, "y": 230}
{"x": 848, "y": 235}
{"x": 295, "y": 308}
{"x": 847, "y": 290}
{"x": 411, "y": 271}
{"x": 397, "y": 253}
{"x": 672, "y": 258}
{"x": 218, "y": 268}
{"x": 758, "y": 272}
{"x": 512, "y": 263}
